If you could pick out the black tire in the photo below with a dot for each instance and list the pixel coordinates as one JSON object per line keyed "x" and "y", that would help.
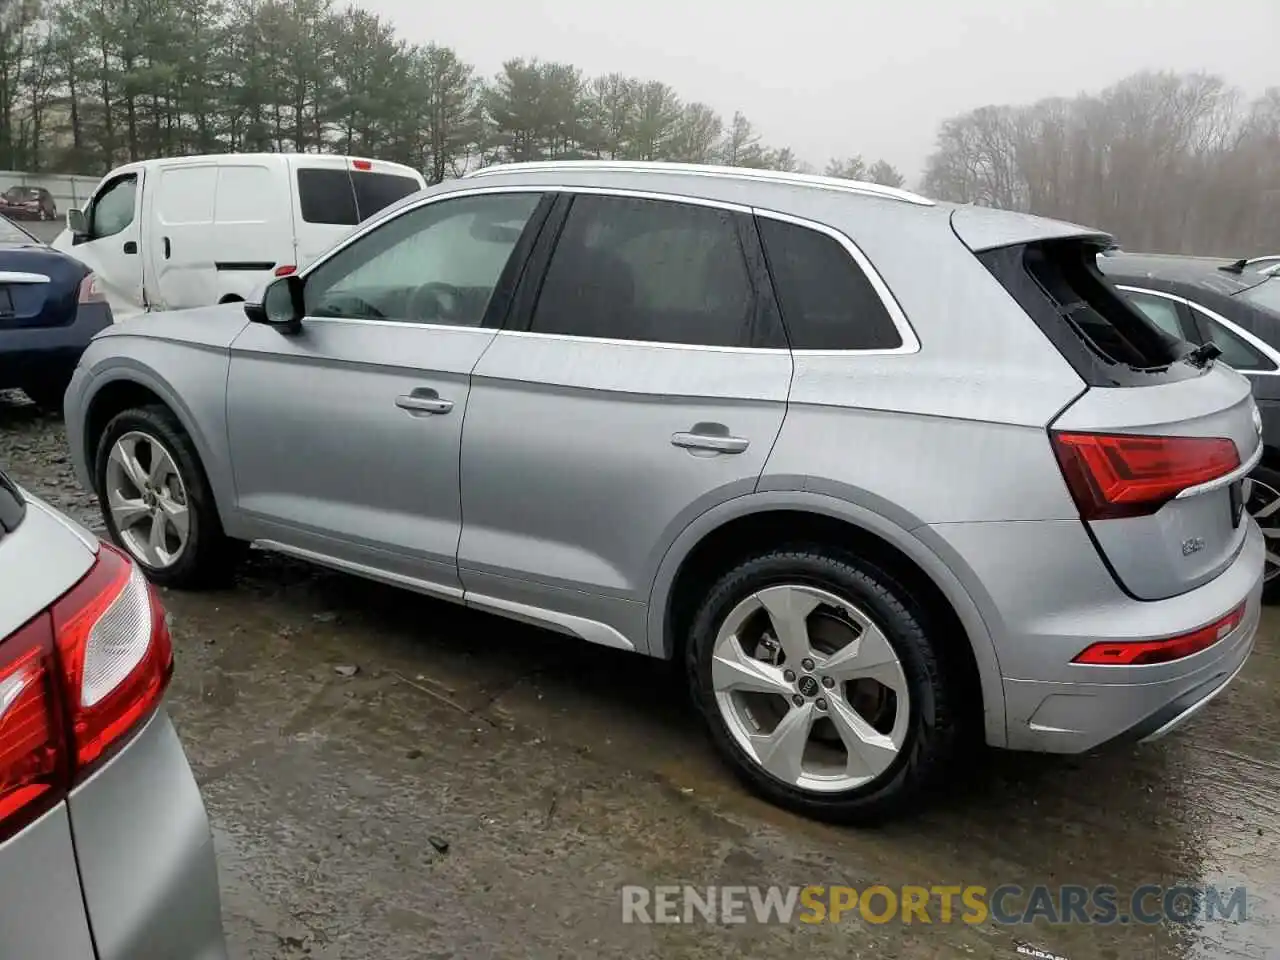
{"x": 1270, "y": 478}
{"x": 209, "y": 556}
{"x": 46, "y": 392}
{"x": 933, "y": 736}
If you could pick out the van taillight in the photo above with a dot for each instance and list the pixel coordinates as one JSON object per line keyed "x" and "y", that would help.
{"x": 1112, "y": 475}
{"x": 75, "y": 683}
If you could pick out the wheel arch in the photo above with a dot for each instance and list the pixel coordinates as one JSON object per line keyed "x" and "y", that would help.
{"x": 125, "y": 387}
{"x": 730, "y": 531}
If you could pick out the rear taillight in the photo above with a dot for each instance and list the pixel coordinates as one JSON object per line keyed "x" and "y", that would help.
{"x": 1113, "y": 475}
{"x": 1146, "y": 652}
{"x": 75, "y": 682}
{"x": 90, "y": 291}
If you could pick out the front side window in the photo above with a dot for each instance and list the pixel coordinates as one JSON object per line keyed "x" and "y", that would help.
{"x": 113, "y": 208}
{"x": 436, "y": 264}
{"x": 657, "y": 271}
{"x": 827, "y": 302}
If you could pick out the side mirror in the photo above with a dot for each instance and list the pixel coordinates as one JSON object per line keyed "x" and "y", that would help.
{"x": 282, "y": 305}
{"x": 77, "y": 223}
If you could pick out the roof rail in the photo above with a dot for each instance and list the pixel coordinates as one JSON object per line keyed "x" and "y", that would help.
{"x": 704, "y": 170}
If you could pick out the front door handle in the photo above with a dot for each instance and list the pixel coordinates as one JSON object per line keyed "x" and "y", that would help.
{"x": 130, "y": 246}
{"x": 707, "y": 437}
{"x": 424, "y": 400}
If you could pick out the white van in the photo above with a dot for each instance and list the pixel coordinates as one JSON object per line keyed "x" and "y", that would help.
{"x": 193, "y": 231}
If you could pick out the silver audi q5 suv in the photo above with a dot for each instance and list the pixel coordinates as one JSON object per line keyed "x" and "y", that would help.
{"x": 876, "y": 470}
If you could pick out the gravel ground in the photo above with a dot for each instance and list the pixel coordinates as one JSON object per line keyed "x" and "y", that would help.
{"x": 482, "y": 789}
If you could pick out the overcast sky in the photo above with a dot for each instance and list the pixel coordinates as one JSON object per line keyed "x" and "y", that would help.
{"x": 835, "y": 77}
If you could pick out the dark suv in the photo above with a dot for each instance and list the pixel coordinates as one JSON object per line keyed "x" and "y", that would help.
{"x": 28, "y": 203}
{"x": 1236, "y": 307}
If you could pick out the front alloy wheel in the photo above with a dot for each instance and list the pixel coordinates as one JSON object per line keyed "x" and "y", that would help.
{"x": 147, "y": 500}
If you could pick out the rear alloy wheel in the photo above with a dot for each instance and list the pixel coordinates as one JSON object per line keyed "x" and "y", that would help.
{"x": 819, "y": 683}
{"x": 1262, "y": 500}
{"x": 156, "y": 501}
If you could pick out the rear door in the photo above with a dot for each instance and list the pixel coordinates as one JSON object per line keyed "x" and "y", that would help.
{"x": 648, "y": 383}
{"x": 1156, "y": 448}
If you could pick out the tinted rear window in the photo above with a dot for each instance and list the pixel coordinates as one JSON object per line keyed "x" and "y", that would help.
{"x": 827, "y": 302}
{"x": 1108, "y": 341}
{"x": 346, "y": 198}
{"x": 326, "y": 196}
{"x": 375, "y": 191}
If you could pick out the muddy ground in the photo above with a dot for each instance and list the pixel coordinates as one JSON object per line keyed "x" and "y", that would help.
{"x": 483, "y": 789}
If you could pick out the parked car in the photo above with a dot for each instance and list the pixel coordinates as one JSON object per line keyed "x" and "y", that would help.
{"x": 720, "y": 416}
{"x": 194, "y": 231}
{"x": 28, "y": 203}
{"x": 50, "y": 307}
{"x": 1201, "y": 300}
{"x": 105, "y": 850}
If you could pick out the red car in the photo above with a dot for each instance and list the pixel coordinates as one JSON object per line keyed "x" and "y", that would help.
{"x": 28, "y": 203}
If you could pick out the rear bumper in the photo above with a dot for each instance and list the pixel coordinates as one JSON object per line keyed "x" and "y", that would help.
{"x": 40, "y": 352}
{"x": 145, "y": 853}
{"x": 1050, "y": 597}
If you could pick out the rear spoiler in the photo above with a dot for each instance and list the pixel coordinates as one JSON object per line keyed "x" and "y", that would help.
{"x": 985, "y": 228}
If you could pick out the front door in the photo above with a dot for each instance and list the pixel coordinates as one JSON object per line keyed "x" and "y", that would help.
{"x": 345, "y": 437}
{"x": 113, "y": 247}
{"x": 649, "y": 386}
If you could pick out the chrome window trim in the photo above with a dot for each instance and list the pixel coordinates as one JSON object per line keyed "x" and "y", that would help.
{"x": 910, "y": 342}
{"x": 1252, "y": 339}
{"x": 705, "y": 170}
{"x": 7, "y": 276}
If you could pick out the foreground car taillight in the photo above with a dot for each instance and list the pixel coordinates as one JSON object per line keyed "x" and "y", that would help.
{"x": 75, "y": 682}
{"x": 1125, "y": 475}
{"x": 1146, "y": 652}
{"x": 90, "y": 291}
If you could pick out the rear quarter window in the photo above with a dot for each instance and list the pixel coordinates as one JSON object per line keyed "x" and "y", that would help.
{"x": 827, "y": 302}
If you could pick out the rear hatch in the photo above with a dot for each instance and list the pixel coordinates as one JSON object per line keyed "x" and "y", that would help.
{"x": 1155, "y": 449}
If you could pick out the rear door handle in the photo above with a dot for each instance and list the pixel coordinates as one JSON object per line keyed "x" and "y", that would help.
{"x": 167, "y": 249}
{"x": 710, "y": 442}
{"x": 424, "y": 400}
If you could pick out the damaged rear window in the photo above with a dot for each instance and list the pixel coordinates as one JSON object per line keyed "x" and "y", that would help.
{"x": 1105, "y": 339}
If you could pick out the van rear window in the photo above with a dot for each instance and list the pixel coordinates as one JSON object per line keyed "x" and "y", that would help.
{"x": 1107, "y": 340}
{"x": 376, "y": 191}
{"x": 342, "y": 197}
